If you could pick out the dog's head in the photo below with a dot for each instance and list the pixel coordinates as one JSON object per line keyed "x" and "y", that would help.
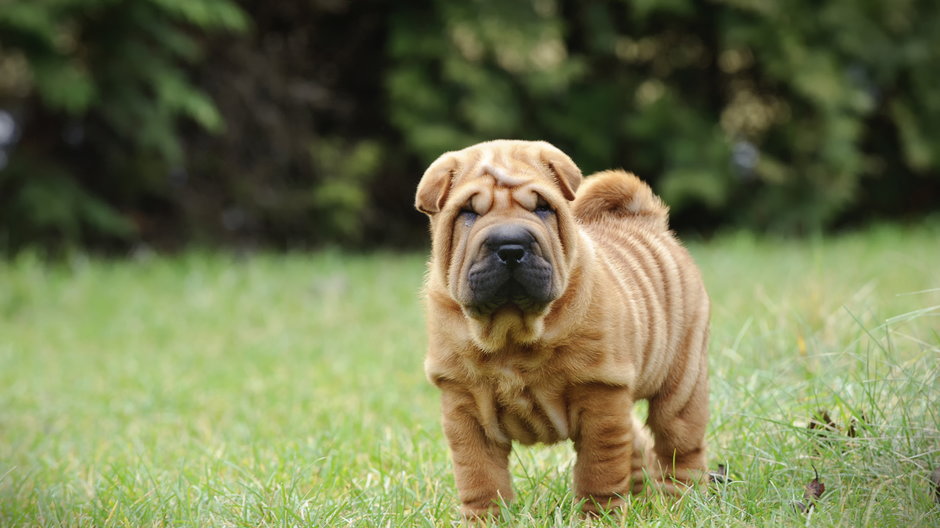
{"x": 503, "y": 234}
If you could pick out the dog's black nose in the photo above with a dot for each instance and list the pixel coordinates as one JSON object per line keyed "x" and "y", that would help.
{"x": 510, "y": 253}
{"x": 510, "y": 243}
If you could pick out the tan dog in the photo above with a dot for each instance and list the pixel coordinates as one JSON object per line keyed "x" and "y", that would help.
{"x": 551, "y": 313}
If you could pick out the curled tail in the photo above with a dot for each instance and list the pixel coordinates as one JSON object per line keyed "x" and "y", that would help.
{"x": 619, "y": 195}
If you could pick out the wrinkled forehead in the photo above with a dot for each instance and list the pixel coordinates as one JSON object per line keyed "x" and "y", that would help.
{"x": 496, "y": 196}
{"x": 510, "y": 176}
{"x": 509, "y": 167}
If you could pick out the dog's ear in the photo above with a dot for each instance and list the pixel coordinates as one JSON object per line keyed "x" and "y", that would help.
{"x": 435, "y": 184}
{"x": 567, "y": 175}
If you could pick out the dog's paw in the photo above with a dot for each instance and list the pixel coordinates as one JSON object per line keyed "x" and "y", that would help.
{"x": 597, "y": 505}
{"x": 480, "y": 512}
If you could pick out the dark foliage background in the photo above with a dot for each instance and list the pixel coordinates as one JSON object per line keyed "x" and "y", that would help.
{"x": 303, "y": 123}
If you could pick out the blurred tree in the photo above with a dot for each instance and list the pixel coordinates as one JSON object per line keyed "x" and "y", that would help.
{"x": 305, "y": 150}
{"x": 786, "y": 116}
{"x": 97, "y": 90}
{"x": 142, "y": 121}
{"x": 827, "y": 93}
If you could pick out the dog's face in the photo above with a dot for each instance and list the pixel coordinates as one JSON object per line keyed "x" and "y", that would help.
{"x": 502, "y": 233}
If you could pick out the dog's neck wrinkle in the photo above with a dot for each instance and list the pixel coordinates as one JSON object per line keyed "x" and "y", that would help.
{"x": 580, "y": 280}
{"x": 527, "y": 355}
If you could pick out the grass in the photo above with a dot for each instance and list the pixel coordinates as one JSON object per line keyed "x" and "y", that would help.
{"x": 287, "y": 390}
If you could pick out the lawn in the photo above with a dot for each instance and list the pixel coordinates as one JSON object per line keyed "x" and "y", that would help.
{"x": 208, "y": 389}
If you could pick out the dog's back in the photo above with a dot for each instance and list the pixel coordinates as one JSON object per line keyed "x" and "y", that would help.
{"x": 661, "y": 287}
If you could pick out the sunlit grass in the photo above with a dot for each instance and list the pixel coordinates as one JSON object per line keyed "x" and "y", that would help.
{"x": 287, "y": 390}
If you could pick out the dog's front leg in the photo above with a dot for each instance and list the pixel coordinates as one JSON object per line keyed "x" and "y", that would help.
{"x": 604, "y": 443}
{"x": 481, "y": 464}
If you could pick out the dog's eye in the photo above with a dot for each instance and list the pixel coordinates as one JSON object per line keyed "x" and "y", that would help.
{"x": 542, "y": 208}
{"x": 468, "y": 215}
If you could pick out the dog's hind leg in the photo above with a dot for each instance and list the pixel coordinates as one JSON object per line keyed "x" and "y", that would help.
{"x": 643, "y": 462}
{"x": 678, "y": 418}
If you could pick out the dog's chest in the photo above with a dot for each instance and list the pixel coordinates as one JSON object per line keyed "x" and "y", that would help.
{"x": 519, "y": 404}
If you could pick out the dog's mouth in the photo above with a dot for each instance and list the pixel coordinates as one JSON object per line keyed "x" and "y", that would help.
{"x": 510, "y": 271}
{"x": 526, "y": 285}
{"x": 514, "y": 296}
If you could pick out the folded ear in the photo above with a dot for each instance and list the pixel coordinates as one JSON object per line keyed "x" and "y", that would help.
{"x": 435, "y": 184}
{"x": 567, "y": 175}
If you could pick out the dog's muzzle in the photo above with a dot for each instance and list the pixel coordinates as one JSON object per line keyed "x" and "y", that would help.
{"x": 510, "y": 269}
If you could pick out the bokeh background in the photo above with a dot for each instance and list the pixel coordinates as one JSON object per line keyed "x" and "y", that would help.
{"x": 171, "y": 354}
{"x": 293, "y": 124}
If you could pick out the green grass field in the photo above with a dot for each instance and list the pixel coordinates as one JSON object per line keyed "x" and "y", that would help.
{"x": 287, "y": 390}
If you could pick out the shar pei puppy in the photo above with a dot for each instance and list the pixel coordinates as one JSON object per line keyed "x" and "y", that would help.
{"x": 552, "y": 307}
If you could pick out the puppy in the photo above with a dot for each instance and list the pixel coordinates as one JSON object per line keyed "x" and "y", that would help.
{"x": 552, "y": 307}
